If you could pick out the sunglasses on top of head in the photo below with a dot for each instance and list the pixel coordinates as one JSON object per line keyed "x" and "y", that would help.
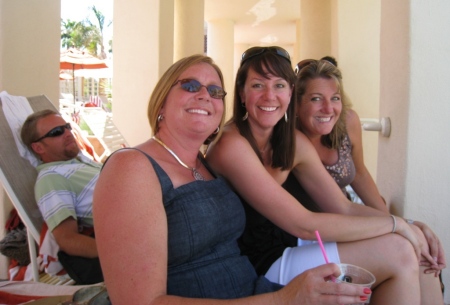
{"x": 255, "y": 51}
{"x": 55, "y": 132}
{"x": 307, "y": 62}
{"x": 192, "y": 85}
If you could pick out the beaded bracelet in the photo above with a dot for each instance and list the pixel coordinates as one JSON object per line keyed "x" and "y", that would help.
{"x": 395, "y": 224}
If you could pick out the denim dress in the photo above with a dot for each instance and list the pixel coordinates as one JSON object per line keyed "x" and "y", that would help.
{"x": 205, "y": 219}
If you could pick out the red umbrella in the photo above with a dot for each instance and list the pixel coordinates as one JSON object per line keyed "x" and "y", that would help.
{"x": 73, "y": 59}
{"x": 64, "y": 76}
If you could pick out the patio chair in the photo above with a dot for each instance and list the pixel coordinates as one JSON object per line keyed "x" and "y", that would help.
{"x": 18, "y": 177}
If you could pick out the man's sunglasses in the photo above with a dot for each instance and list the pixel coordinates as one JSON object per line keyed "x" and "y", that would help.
{"x": 55, "y": 132}
{"x": 255, "y": 51}
{"x": 192, "y": 85}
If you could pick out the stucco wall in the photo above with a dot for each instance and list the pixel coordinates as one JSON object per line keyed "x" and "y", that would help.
{"x": 413, "y": 167}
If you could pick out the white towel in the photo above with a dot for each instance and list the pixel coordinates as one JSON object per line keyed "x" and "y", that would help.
{"x": 16, "y": 110}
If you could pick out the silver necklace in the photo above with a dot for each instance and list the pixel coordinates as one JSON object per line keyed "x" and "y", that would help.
{"x": 195, "y": 173}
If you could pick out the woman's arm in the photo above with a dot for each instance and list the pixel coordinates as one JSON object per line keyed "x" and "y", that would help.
{"x": 320, "y": 185}
{"x": 131, "y": 233}
{"x": 234, "y": 158}
{"x": 367, "y": 190}
{"x": 363, "y": 183}
{"x": 131, "y": 229}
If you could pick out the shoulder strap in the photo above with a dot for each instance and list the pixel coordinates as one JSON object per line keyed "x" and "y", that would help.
{"x": 164, "y": 180}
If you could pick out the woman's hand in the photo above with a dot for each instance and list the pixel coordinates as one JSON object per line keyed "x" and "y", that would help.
{"x": 432, "y": 251}
{"x": 313, "y": 287}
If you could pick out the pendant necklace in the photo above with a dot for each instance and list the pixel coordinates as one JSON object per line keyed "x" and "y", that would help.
{"x": 195, "y": 173}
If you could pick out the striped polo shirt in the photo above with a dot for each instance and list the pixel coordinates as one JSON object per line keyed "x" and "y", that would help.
{"x": 65, "y": 189}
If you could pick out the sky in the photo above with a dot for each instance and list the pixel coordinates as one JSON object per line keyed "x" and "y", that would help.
{"x": 78, "y": 10}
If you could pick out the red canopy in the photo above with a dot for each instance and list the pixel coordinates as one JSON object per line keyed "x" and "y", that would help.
{"x": 74, "y": 59}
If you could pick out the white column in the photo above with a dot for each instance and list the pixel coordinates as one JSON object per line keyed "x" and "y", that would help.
{"x": 220, "y": 46}
{"x": 143, "y": 50}
{"x": 29, "y": 63}
{"x": 315, "y": 26}
{"x": 189, "y": 28}
{"x": 30, "y": 34}
{"x": 296, "y": 56}
{"x": 358, "y": 56}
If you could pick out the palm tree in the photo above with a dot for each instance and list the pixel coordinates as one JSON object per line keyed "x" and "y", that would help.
{"x": 101, "y": 23}
{"x": 67, "y": 28}
{"x": 85, "y": 35}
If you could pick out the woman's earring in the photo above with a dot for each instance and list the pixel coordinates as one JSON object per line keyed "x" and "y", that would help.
{"x": 217, "y": 130}
{"x": 245, "y": 116}
{"x": 160, "y": 118}
{"x": 285, "y": 116}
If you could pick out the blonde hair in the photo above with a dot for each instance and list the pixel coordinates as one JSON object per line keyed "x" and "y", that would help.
{"x": 325, "y": 69}
{"x": 166, "y": 82}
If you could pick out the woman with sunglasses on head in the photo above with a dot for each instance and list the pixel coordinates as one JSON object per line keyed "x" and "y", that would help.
{"x": 258, "y": 149}
{"x": 160, "y": 209}
{"x": 334, "y": 129}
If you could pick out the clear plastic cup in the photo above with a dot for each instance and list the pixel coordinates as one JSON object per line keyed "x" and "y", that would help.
{"x": 354, "y": 275}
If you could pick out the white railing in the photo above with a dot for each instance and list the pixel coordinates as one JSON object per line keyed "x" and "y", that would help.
{"x": 382, "y": 125}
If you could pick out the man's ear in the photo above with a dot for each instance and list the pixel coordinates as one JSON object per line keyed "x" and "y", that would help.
{"x": 37, "y": 147}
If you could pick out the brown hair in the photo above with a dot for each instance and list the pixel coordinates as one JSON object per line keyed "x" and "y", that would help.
{"x": 28, "y": 133}
{"x": 325, "y": 69}
{"x": 283, "y": 137}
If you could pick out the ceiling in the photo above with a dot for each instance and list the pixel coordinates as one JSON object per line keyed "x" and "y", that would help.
{"x": 258, "y": 22}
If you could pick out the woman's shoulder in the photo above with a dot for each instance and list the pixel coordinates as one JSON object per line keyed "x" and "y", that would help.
{"x": 352, "y": 119}
{"x": 354, "y": 129}
{"x": 304, "y": 149}
{"x": 300, "y": 138}
{"x": 230, "y": 137}
{"x": 225, "y": 149}
{"x": 128, "y": 157}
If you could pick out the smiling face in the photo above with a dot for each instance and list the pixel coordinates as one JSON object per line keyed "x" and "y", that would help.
{"x": 266, "y": 99}
{"x": 59, "y": 148}
{"x": 320, "y": 107}
{"x": 193, "y": 112}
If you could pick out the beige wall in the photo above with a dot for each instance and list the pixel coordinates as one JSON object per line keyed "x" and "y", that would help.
{"x": 413, "y": 165}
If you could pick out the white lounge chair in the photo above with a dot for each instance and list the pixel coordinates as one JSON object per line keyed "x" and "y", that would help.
{"x": 102, "y": 126}
{"x": 18, "y": 177}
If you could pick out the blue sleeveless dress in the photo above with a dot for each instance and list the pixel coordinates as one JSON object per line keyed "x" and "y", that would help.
{"x": 205, "y": 219}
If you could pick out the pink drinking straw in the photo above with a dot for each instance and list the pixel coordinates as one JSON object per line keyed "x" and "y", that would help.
{"x": 333, "y": 279}
{"x": 321, "y": 247}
